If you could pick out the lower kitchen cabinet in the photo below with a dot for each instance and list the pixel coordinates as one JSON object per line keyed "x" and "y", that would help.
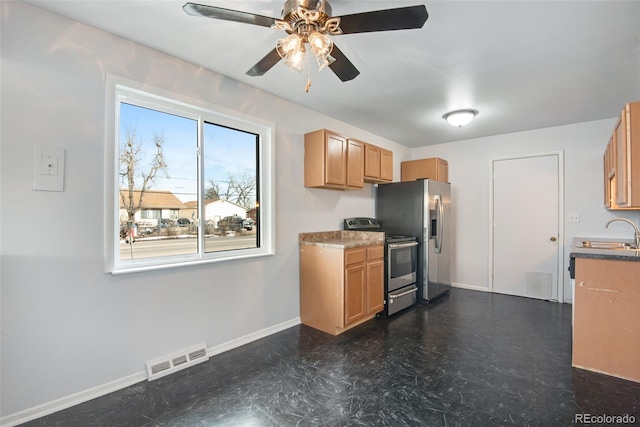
{"x": 606, "y": 324}
{"x": 340, "y": 288}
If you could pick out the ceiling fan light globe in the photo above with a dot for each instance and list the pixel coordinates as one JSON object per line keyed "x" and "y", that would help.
{"x": 321, "y": 44}
{"x": 324, "y": 61}
{"x": 295, "y": 60}
{"x": 288, "y": 45}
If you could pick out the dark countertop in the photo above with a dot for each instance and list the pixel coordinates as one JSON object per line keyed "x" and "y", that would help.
{"x": 609, "y": 254}
{"x": 614, "y": 254}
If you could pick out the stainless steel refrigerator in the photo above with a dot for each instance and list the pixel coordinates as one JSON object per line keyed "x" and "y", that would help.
{"x": 422, "y": 209}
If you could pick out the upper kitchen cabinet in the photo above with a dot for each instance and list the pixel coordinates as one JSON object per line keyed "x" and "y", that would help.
{"x": 622, "y": 162}
{"x": 610, "y": 173}
{"x": 378, "y": 164}
{"x": 333, "y": 161}
{"x": 431, "y": 168}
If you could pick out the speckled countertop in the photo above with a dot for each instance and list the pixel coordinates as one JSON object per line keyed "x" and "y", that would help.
{"x": 612, "y": 254}
{"x": 342, "y": 239}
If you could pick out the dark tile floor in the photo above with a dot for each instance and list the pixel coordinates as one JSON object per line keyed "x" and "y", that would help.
{"x": 470, "y": 359}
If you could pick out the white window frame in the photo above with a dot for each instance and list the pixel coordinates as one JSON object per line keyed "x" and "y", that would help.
{"x": 119, "y": 89}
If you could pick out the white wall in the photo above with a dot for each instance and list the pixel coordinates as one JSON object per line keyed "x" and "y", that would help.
{"x": 66, "y": 325}
{"x": 469, "y": 171}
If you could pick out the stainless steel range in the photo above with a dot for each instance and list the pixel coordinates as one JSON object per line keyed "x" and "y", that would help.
{"x": 401, "y": 265}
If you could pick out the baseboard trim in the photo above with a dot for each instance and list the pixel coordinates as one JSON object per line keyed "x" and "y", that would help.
{"x": 230, "y": 345}
{"x": 470, "y": 287}
{"x": 104, "y": 389}
{"x": 71, "y": 400}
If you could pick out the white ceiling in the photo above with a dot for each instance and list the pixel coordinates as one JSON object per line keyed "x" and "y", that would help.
{"x": 522, "y": 64}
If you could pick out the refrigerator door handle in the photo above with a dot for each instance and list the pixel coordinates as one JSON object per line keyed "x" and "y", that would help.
{"x": 440, "y": 213}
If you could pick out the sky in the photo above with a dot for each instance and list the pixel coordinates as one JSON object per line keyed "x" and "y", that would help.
{"x": 226, "y": 151}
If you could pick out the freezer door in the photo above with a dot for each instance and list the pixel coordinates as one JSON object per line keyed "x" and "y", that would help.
{"x": 437, "y": 251}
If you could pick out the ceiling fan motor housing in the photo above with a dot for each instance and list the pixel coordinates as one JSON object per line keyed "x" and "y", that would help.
{"x": 291, "y": 6}
{"x": 316, "y": 13}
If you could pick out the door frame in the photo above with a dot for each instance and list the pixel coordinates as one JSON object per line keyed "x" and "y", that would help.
{"x": 561, "y": 238}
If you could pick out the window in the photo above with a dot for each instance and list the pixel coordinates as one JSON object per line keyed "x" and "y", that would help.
{"x": 190, "y": 184}
{"x": 151, "y": 213}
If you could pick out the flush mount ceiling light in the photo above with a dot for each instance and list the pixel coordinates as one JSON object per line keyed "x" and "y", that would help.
{"x": 310, "y": 25}
{"x": 460, "y": 118}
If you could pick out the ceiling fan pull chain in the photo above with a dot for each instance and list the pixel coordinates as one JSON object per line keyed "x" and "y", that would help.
{"x": 306, "y": 88}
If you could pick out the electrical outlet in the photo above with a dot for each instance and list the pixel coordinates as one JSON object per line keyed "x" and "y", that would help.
{"x": 48, "y": 169}
{"x": 574, "y": 217}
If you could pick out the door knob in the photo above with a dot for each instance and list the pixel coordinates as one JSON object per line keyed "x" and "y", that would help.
{"x": 553, "y": 238}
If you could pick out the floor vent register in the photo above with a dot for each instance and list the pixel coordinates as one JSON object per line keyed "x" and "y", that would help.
{"x": 163, "y": 366}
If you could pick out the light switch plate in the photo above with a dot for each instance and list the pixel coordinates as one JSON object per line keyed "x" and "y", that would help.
{"x": 48, "y": 169}
{"x": 574, "y": 217}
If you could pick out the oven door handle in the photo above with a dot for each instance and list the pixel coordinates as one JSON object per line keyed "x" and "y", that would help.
{"x": 410, "y": 291}
{"x": 402, "y": 245}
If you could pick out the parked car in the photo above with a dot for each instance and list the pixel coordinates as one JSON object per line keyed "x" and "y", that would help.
{"x": 184, "y": 222}
{"x": 248, "y": 223}
{"x": 165, "y": 222}
{"x": 231, "y": 223}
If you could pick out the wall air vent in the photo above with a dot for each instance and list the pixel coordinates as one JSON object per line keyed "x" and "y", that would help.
{"x": 162, "y": 366}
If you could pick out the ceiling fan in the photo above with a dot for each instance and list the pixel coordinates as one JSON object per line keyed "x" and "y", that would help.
{"x": 309, "y": 24}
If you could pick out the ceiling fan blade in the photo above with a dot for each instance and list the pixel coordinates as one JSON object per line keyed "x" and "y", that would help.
{"x": 207, "y": 11}
{"x": 403, "y": 18}
{"x": 342, "y": 67}
{"x": 265, "y": 64}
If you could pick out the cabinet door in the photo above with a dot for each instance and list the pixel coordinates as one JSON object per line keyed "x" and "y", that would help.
{"x": 610, "y": 186}
{"x": 386, "y": 165}
{"x": 355, "y": 164}
{"x": 430, "y": 168}
{"x": 375, "y": 287}
{"x": 354, "y": 293}
{"x": 336, "y": 159}
{"x": 622, "y": 160}
{"x": 607, "y": 189}
{"x": 372, "y": 162}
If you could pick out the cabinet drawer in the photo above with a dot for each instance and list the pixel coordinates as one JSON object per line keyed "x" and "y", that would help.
{"x": 353, "y": 256}
{"x": 375, "y": 252}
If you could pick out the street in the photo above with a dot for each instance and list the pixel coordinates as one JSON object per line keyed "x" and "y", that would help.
{"x": 150, "y": 248}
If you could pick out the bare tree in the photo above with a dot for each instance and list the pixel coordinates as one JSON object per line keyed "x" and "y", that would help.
{"x": 134, "y": 175}
{"x": 239, "y": 189}
{"x": 213, "y": 191}
{"x": 230, "y": 191}
{"x": 245, "y": 190}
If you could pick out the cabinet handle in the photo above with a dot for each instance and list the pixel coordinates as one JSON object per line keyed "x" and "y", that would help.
{"x": 553, "y": 238}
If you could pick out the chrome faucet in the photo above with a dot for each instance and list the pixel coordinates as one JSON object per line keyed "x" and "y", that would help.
{"x": 635, "y": 228}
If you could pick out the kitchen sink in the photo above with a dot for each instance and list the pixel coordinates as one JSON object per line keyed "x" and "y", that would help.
{"x": 594, "y": 244}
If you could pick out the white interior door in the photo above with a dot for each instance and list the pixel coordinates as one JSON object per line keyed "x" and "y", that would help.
{"x": 526, "y": 226}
